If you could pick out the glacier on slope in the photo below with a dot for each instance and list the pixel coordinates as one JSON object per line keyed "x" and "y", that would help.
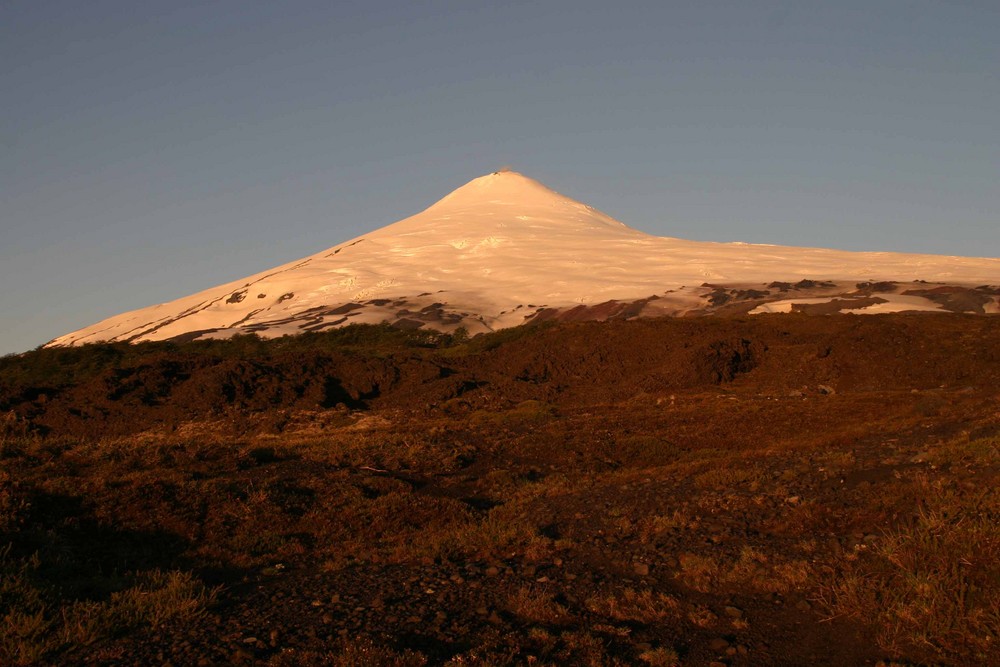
{"x": 504, "y": 249}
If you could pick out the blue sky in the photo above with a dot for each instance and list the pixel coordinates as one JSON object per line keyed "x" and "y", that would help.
{"x": 149, "y": 150}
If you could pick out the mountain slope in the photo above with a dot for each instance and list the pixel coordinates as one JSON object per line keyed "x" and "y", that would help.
{"x": 504, "y": 249}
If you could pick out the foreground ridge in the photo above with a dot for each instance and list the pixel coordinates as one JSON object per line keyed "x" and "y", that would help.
{"x": 740, "y": 491}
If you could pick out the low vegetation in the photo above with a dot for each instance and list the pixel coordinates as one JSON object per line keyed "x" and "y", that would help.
{"x": 637, "y": 516}
{"x": 930, "y": 586}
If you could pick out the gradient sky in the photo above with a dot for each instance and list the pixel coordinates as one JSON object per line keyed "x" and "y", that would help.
{"x": 149, "y": 150}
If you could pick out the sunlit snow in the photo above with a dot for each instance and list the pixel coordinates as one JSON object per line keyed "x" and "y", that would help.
{"x": 503, "y": 242}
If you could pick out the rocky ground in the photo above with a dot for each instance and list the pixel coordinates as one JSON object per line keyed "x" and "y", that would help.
{"x": 787, "y": 490}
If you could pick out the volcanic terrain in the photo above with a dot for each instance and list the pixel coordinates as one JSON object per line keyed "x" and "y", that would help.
{"x": 504, "y": 250}
{"x": 485, "y": 445}
{"x": 757, "y": 490}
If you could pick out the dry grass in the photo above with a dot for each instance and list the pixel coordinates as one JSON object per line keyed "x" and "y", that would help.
{"x": 651, "y": 527}
{"x": 701, "y": 616}
{"x": 930, "y": 589}
{"x": 976, "y": 452}
{"x": 748, "y": 494}
{"x": 537, "y": 605}
{"x": 645, "y": 606}
{"x": 35, "y": 623}
{"x": 544, "y": 647}
{"x": 752, "y": 570}
{"x": 729, "y": 476}
{"x": 660, "y": 657}
{"x": 531, "y": 413}
{"x": 14, "y": 504}
{"x": 357, "y": 652}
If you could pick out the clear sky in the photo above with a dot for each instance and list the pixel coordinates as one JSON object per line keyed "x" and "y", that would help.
{"x": 149, "y": 150}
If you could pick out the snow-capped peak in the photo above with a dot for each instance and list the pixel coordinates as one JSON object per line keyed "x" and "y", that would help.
{"x": 507, "y": 201}
{"x": 503, "y": 249}
{"x": 507, "y": 189}
{"x": 501, "y": 187}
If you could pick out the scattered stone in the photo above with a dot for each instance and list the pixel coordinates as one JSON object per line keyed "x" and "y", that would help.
{"x": 733, "y": 612}
{"x": 718, "y": 644}
{"x": 492, "y": 571}
{"x": 802, "y": 605}
{"x": 826, "y": 390}
{"x": 241, "y": 655}
{"x": 641, "y": 569}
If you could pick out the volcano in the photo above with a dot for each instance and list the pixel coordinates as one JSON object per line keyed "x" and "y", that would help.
{"x": 504, "y": 250}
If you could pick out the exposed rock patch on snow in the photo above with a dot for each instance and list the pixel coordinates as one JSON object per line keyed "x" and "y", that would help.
{"x": 504, "y": 249}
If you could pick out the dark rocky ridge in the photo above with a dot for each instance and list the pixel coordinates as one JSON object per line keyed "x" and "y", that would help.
{"x": 568, "y": 364}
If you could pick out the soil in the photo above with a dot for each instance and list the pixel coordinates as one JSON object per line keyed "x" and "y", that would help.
{"x": 513, "y": 501}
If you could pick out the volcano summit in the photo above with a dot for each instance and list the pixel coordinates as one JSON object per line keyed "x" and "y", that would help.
{"x": 504, "y": 249}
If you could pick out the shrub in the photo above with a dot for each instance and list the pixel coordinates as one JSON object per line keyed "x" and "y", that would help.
{"x": 930, "y": 590}
{"x": 35, "y": 624}
{"x": 631, "y": 605}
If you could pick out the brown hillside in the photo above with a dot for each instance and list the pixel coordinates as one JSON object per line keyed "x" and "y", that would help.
{"x": 773, "y": 491}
